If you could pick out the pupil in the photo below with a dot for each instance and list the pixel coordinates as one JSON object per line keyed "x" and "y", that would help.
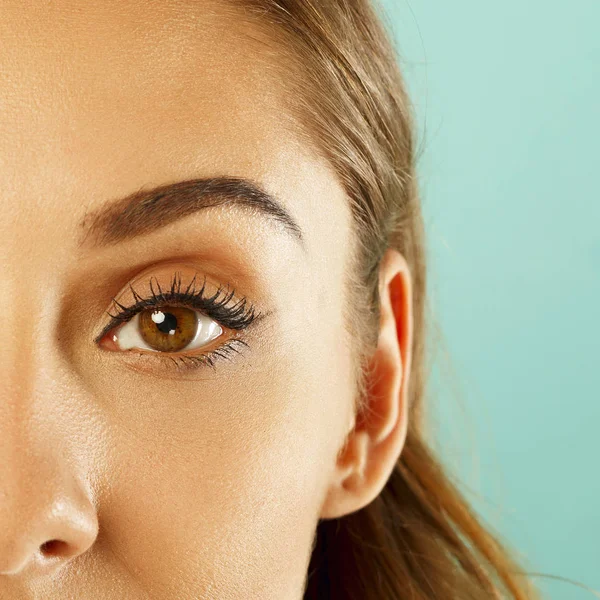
{"x": 168, "y": 324}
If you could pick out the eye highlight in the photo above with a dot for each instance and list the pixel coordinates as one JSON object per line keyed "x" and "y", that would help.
{"x": 177, "y": 320}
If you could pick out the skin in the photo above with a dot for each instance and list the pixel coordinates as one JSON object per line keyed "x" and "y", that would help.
{"x": 159, "y": 483}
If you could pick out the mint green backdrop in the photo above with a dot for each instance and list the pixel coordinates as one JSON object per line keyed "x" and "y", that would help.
{"x": 507, "y": 96}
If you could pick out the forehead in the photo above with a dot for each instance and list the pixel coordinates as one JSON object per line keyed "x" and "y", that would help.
{"x": 100, "y": 98}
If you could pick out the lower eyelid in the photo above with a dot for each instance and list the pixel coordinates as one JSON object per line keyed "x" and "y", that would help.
{"x": 206, "y": 359}
{"x": 150, "y": 362}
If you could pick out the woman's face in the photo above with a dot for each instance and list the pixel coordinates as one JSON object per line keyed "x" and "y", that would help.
{"x": 161, "y": 476}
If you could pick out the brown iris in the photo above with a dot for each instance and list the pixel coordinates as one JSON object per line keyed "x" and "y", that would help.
{"x": 168, "y": 329}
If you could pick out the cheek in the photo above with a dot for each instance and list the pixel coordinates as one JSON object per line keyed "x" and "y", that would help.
{"x": 233, "y": 482}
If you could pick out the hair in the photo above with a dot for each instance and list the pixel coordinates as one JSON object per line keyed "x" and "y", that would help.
{"x": 418, "y": 539}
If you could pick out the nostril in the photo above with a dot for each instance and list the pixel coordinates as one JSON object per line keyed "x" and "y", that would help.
{"x": 54, "y": 548}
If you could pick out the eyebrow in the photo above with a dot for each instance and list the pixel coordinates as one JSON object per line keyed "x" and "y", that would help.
{"x": 145, "y": 211}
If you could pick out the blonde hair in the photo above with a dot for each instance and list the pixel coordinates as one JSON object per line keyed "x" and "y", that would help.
{"x": 419, "y": 539}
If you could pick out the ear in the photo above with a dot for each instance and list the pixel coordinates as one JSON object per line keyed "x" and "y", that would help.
{"x": 374, "y": 444}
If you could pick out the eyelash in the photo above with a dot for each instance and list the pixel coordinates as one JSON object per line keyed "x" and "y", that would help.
{"x": 238, "y": 316}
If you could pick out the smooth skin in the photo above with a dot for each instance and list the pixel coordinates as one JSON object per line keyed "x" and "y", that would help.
{"x": 121, "y": 477}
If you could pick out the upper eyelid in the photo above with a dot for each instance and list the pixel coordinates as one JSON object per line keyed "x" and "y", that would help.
{"x": 171, "y": 296}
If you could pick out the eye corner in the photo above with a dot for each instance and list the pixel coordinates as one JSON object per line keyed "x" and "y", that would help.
{"x": 99, "y": 337}
{"x": 106, "y": 334}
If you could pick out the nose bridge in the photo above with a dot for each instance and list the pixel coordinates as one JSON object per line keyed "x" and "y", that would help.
{"x": 15, "y": 351}
{"x": 29, "y": 361}
{"x": 24, "y": 369}
{"x": 46, "y": 514}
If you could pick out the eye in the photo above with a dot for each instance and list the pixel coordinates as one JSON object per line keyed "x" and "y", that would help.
{"x": 167, "y": 329}
{"x": 171, "y": 323}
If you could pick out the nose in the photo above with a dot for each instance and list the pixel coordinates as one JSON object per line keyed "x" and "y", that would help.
{"x": 46, "y": 519}
{"x": 47, "y": 514}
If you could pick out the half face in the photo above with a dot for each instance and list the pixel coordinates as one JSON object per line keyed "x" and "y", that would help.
{"x": 128, "y": 468}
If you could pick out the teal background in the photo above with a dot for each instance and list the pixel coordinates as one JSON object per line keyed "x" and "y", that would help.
{"x": 507, "y": 98}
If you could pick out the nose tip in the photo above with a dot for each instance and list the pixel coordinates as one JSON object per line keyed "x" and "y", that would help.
{"x": 44, "y": 544}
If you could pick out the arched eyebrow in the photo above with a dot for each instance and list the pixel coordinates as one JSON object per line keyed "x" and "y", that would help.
{"x": 145, "y": 211}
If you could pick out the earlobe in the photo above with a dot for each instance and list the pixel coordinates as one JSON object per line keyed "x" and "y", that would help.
{"x": 374, "y": 445}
